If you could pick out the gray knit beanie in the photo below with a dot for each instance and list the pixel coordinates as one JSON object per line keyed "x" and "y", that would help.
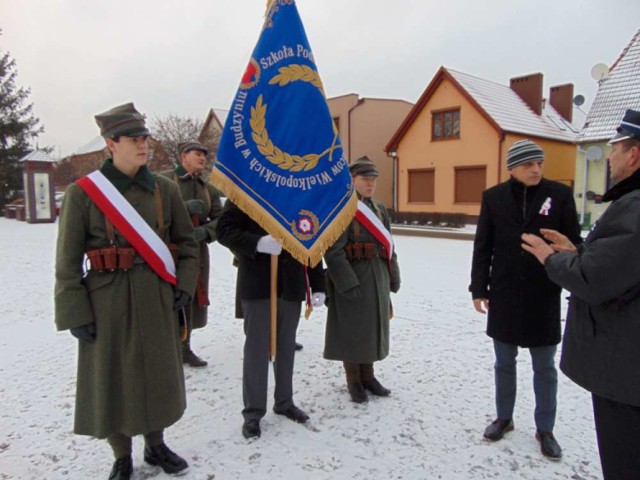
{"x": 524, "y": 151}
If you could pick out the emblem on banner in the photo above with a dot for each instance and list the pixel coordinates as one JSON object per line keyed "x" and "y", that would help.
{"x": 306, "y": 227}
{"x": 251, "y": 75}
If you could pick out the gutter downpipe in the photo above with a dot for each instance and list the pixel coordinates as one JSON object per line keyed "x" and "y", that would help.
{"x": 394, "y": 179}
{"x": 583, "y": 206}
{"x": 500, "y": 143}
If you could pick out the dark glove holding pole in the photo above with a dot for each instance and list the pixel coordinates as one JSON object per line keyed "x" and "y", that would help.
{"x": 200, "y": 234}
{"x": 86, "y": 333}
{"x": 195, "y": 206}
{"x": 180, "y": 299}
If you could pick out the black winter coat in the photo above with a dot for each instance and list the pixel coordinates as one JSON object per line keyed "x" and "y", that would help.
{"x": 601, "y": 347}
{"x": 524, "y": 305}
{"x": 238, "y": 232}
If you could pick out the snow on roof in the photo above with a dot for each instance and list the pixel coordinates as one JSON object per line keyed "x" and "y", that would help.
{"x": 94, "y": 145}
{"x": 222, "y": 115}
{"x": 617, "y": 93}
{"x": 37, "y": 156}
{"x": 511, "y": 113}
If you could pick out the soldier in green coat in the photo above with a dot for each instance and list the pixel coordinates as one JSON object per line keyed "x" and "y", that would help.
{"x": 130, "y": 375}
{"x": 360, "y": 278}
{"x": 202, "y": 201}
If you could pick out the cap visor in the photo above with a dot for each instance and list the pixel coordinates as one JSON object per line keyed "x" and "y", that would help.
{"x": 618, "y": 137}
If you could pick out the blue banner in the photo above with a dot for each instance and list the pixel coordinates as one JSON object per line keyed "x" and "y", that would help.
{"x": 280, "y": 157}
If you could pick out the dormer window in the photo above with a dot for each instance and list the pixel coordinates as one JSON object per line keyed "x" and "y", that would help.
{"x": 445, "y": 125}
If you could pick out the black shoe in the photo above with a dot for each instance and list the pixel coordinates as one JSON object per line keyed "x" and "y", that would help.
{"x": 251, "y": 428}
{"x": 375, "y": 387}
{"x": 122, "y": 469}
{"x": 293, "y": 413}
{"x": 298, "y": 347}
{"x": 162, "y": 456}
{"x": 548, "y": 445}
{"x": 497, "y": 429}
{"x": 357, "y": 392}
{"x": 192, "y": 359}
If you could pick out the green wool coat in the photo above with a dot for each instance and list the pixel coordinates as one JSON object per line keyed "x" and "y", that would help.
{"x": 192, "y": 188}
{"x": 357, "y": 328}
{"x": 131, "y": 380}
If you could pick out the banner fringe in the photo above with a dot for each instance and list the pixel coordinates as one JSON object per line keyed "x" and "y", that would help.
{"x": 269, "y": 5}
{"x": 276, "y": 230}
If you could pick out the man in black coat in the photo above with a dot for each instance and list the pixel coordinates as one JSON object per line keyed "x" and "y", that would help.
{"x": 253, "y": 247}
{"x": 601, "y": 347}
{"x": 523, "y": 305}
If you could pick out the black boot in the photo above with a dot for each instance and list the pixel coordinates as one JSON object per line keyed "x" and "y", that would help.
{"x": 354, "y": 383}
{"x": 122, "y": 469}
{"x": 162, "y": 456}
{"x": 370, "y": 382}
{"x": 549, "y": 445}
{"x": 251, "y": 428}
{"x": 496, "y": 430}
{"x": 188, "y": 356}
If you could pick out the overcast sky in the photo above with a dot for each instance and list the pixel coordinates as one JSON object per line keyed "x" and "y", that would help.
{"x": 81, "y": 57}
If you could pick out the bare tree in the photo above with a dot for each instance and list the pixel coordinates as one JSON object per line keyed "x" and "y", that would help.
{"x": 172, "y": 130}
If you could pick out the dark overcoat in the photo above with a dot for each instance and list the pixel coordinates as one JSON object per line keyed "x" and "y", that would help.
{"x": 357, "y": 328}
{"x": 238, "y": 232}
{"x": 601, "y": 346}
{"x": 198, "y": 188}
{"x": 524, "y": 305}
{"x": 131, "y": 379}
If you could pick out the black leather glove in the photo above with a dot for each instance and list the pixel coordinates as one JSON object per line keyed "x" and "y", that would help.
{"x": 86, "y": 333}
{"x": 200, "y": 234}
{"x": 180, "y": 299}
{"x": 352, "y": 294}
{"x": 195, "y": 206}
{"x": 394, "y": 287}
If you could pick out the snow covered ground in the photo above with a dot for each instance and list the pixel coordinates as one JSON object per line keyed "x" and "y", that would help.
{"x": 439, "y": 370}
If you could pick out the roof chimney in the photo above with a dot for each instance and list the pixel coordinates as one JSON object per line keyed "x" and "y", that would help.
{"x": 561, "y": 98}
{"x": 529, "y": 89}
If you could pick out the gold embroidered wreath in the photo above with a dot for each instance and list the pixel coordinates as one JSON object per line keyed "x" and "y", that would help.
{"x": 260, "y": 135}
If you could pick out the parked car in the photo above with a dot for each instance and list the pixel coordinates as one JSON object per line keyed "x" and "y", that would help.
{"x": 58, "y": 199}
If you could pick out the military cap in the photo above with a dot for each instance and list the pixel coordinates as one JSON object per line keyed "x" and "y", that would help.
{"x": 363, "y": 167}
{"x": 629, "y": 127}
{"x": 186, "y": 147}
{"x": 122, "y": 121}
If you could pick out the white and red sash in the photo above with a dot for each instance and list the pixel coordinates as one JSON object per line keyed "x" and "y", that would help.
{"x": 130, "y": 224}
{"x": 372, "y": 223}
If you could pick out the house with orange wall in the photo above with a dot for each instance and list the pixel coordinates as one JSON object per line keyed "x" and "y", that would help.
{"x": 365, "y": 124}
{"x": 453, "y": 143}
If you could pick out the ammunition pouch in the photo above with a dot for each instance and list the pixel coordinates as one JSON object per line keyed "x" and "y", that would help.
{"x": 365, "y": 251}
{"x": 111, "y": 258}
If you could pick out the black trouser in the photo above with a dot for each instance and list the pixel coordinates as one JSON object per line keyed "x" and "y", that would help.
{"x": 617, "y": 428}
{"x": 121, "y": 444}
{"x": 255, "y": 366}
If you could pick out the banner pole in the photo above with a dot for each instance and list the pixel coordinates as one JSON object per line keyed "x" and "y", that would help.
{"x": 273, "y": 304}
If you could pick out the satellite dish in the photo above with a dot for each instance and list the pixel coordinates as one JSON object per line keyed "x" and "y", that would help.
{"x": 599, "y": 72}
{"x": 578, "y": 100}
{"x": 593, "y": 153}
